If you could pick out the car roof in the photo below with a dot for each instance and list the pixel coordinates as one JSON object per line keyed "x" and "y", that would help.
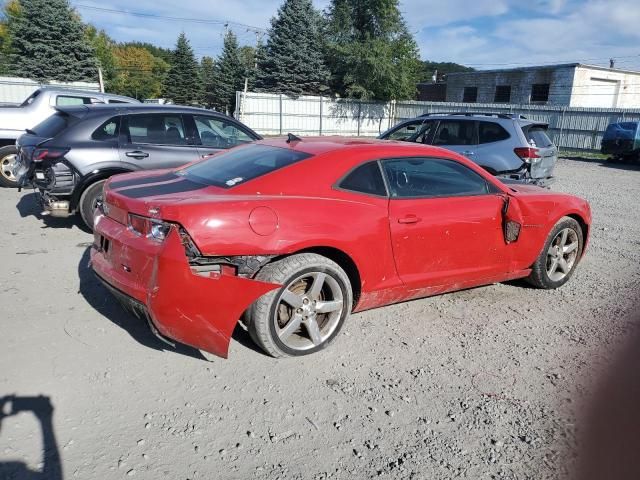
{"x": 321, "y": 145}
{"x": 78, "y": 91}
{"x": 111, "y": 108}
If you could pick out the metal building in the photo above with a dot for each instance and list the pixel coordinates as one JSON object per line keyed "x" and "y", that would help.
{"x": 571, "y": 84}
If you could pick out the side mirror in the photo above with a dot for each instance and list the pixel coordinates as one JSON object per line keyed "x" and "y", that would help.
{"x": 511, "y": 219}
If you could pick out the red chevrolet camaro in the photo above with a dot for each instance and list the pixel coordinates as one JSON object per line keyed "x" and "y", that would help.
{"x": 294, "y": 234}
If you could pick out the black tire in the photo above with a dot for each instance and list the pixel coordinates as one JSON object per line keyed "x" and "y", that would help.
{"x": 543, "y": 274}
{"x": 6, "y": 176}
{"x": 300, "y": 272}
{"x": 89, "y": 200}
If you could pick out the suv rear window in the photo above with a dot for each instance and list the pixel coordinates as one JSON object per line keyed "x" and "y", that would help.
{"x": 539, "y": 136}
{"x": 53, "y": 125}
{"x": 240, "y": 165}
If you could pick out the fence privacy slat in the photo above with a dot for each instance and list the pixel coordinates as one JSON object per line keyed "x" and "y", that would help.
{"x": 575, "y": 128}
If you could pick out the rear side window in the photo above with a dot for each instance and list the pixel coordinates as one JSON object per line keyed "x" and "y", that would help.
{"x": 66, "y": 100}
{"x": 53, "y": 125}
{"x": 157, "y": 128}
{"x": 455, "y": 132}
{"x": 539, "y": 137}
{"x": 491, "y": 132}
{"x": 242, "y": 164}
{"x": 366, "y": 178}
{"x": 432, "y": 177}
{"x": 109, "y": 130}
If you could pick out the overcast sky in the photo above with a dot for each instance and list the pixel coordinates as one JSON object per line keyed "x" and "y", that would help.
{"x": 480, "y": 33}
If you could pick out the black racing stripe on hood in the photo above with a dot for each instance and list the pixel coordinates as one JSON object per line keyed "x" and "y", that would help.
{"x": 143, "y": 181}
{"x": 180, "y": 186}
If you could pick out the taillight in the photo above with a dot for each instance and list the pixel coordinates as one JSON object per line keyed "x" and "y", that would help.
{"x": 527, "y": 154}
{"x": 40, "y": 154}
{"x": 151, "y": 228}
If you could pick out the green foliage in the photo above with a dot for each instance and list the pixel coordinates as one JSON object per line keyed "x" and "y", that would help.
{"x": 138, "y": 73}
{"x": 182, "y": 84}
{"x": 230, "y": 73}
{"x": 11, "y": 10}
{"x": 48, "y": 43}
{"x": 370, "y": 51}
{"x": 103, "y": 45}
{"x": 208, "y": 82}
{"x": 293, "y": 60}
{"x": 165, "y": 54}
{"x": 427, "y": 69}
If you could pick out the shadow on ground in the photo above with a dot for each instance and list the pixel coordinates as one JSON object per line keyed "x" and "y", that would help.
{"x": 28, "y": 206}
{"x": 101, "y": 299}
{"x": 42, "y": 408}
{"x": 619, "y": 165}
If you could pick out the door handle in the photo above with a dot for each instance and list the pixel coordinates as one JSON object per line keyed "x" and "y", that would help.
{"x": 137, "y": 154}
{"x": 468, "y": 153}
{"x": 409, "y": 219}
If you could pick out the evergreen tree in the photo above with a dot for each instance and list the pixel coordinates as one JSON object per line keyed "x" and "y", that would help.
{"x": 48, "y": 43}
{"x": 230, "y": 74}
{"x": 182, "y": 84}
{"x": 370, "y": 51}
{"x": 208, "y": 82}
{"x": 293, "y": 61}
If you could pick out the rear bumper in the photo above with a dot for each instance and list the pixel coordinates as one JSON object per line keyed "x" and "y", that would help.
{"x": 156, "y": 283}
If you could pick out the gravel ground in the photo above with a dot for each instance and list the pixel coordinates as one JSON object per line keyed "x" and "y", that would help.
{"x": 485, "y": 383}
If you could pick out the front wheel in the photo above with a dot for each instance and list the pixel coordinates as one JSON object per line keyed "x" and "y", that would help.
{"x": 559, "y": 257}
{"x": 90, "y": 199}
{"x": 8, "y": 156}
{"x": 307, "y": 312}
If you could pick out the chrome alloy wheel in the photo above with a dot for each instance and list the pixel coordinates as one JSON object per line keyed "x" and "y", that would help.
{"x": 308, "y": 310}
{"x": 562, "y": 254}
{"x": 6, "y": 167}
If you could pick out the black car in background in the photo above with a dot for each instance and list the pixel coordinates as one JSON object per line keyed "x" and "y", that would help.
{"x": 68, "y": 157}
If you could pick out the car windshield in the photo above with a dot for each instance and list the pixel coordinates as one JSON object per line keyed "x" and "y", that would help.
{"x": 240, "y": 165}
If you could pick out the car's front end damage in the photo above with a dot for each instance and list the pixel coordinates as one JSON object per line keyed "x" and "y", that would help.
{"x": 157, "y": 272}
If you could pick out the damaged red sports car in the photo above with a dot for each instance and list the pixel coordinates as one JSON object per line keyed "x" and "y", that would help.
{"x": 294, "y": 234}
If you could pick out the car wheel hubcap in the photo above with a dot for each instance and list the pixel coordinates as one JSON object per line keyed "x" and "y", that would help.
{"x": 7, "y": 167}
{"x": 308, "y": 311}
{"x": 562, "y": 254}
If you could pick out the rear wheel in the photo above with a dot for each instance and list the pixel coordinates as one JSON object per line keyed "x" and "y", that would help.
{"x": 90, "y": 199}
{"x": 307, "y": 312}
{"x": 8, "y": 156}
{"x": 560, "y": 255}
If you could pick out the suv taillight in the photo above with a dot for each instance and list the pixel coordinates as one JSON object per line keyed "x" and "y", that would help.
{"x": 527, "y": 154}
{"x": 40, "y": 154}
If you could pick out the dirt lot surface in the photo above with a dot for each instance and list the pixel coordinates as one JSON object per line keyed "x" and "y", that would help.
{"x": 485, "y": 383}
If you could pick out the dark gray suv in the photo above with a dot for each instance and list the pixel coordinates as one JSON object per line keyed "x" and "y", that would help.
{"x": 509, "y": 146}
{"x": 67, "y": 157}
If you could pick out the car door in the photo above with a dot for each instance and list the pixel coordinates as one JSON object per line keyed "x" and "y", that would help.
{"x": 457, "y": 135}
{"x": 445, "y": 222}
{"x": 213, "y": 134}
{"x": 156, "y": 140}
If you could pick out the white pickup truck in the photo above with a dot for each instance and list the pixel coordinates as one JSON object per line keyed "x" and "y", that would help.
{"x": 17, "y": 119}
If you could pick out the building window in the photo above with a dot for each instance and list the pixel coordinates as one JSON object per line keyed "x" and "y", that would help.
{"x": 540, "y": 92}
{"x": 470, "y": 95}
{"x": 503, "y": 94}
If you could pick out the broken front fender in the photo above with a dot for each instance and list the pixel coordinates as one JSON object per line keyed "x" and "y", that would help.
{"x": 201, "y": 311}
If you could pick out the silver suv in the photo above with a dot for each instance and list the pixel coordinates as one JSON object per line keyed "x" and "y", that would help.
{"x": 17, "y": 119}
{"x": 508, "y": 146}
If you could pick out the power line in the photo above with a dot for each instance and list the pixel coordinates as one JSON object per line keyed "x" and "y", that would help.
{"x": 166, "y": 17}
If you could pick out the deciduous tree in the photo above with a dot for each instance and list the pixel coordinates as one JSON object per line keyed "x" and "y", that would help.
{"x": 370, "y": 51}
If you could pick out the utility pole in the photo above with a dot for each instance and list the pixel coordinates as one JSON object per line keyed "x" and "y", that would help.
{"x": 100, "y": 80}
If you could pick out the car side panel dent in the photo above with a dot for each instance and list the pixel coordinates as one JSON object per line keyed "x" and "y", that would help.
{"x": 195, "y": 310}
